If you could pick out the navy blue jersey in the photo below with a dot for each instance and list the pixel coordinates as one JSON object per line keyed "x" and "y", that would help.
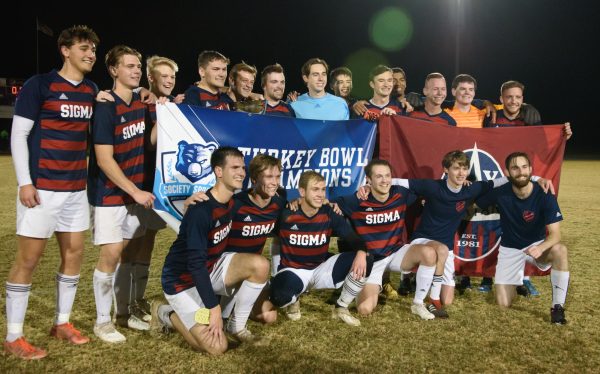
{"x": 252, "y": 224}
{"x": 305, "y": 240}
{"x": 379, "y": 224}
{"x": 206, "y": 99}
{"x": 121, "y": 125}
{"x": 282, "y": 109}
{"x": 523, "y": 221}
{"x": 444, "y": 209}
{"x": 57, "y": 144}
{"x": 443, "y": 117}
{"x": 374, "y": 111}
{"x": 503, "y": 121}
{"x": 201, "y": 240}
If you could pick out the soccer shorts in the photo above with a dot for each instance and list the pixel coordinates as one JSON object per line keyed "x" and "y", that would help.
{"x": 113, "y": 224}
{"x": 392, "y": 262}
{"x": 510, "y": 268}
{"x": 448, "y": 277}
{"x": 318, "y": 278}
{"x": 57, "y": 211}
{"x": 187, "y": 302}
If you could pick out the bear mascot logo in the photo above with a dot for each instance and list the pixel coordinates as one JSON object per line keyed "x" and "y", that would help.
{"x": 193, "y": 160}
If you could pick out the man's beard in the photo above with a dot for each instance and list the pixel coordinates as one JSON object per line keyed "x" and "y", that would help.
{"x": 520, "y": 183}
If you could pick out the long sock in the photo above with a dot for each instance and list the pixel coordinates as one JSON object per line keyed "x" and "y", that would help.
{"x": 17, "y": 298}
{"x": 350, "y": 289}
{"x": 436, "y": 287}
{"x": 560, "y": 284}
{"x": 103, "y": 293}
{"x": 140, "y": 280}
{"x": 424, "y": 279}
{"x": 122, "y": 284}
{"x": 275, "y": 256}
{"x": 164, "y": 314}
{"x": 245, "y": 299}
{"x": 526, "y": 278}
{"x": 66, "y": 288}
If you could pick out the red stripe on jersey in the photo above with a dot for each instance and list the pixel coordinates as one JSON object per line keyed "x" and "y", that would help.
{"x": 66, "y": 87}
{"x": 63, "y": 145}
{"x": 132, "y": 162}
{"x": 205, "y": 96}
{"x": 117, "y": 200}
{"x": 377, "y": 244}
{"x": 60, "y": 185}
{"x": 119, "y": 128}
{"x": 136, "y": 105}
{"x": 425, "y": 116}
{"x": 247, "y": 242}
{"x": 62, "y": 165}
{"x": 136, "y": 178}
{"x": 55, "y": 105}
{"x": 299, "y": 218}
{"x": 379, "y": 229}
{"x": 52, "y": 124}
{"x": 131, "y": 144}
{"x": 304, "y": 251}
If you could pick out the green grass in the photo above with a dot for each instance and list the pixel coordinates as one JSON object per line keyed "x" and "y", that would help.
{"x": 478, "y": 337}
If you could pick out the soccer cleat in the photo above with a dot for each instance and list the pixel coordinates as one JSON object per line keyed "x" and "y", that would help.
{"x": 293, "y": 311}
{"x": 531, "y": 288}
{"x": 485, "y": 286}
{"x": 404, "y": 288}
{"x": 464, "y": 285}
{"x": 66, "y": 331}
{"x": 421, "y": 311}
{"x": 156, "y": 324}
{"x": 108, "y": 333}
{"x": 141, "y": 308}
{"x": 335, "y": 295}
{"x": 437, "y": 312}
{"x": 557, "y": 315}
{"x": 133, "y": 322}
{"x": 389, "y": 292}
{"x": 523, "y": 291}
{"x": 345, "y": 316}
{"x": 22, "y": 349}
{"x": 246, "y": 337}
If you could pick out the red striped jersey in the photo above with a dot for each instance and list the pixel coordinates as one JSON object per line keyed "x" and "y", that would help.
{"x": 503, "y": 121}
{"x": 123, "y": 126}
{"x": 379, "y": 224}
{"x": 442, "y": 117}
{"x": 282, "y": 109}
{"x": 374, "y": 111}
{"x": 206, "y": 99}
{"x": 305, "y": 240}
{"x": 201, "y": 240}
{"x": 57, "y": 144}
{"x": 252, "y": 224}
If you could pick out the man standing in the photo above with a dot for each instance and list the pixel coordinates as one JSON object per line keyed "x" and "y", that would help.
{"x": 464, "y": 112}
{"x": 435, "y": 94}
{"x": 273, "y": 84}
{"x": 530, "y": 221}
{"x": 49, "y": 144}
{"x": 212, "y": 67}
{"x": 241, "y": 81}
{"x": 341, "y": 84}
{"x": 317, "y": 103}
{"x": 381, "y": 80}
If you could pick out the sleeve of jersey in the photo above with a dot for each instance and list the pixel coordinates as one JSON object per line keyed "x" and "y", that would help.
{"x": 400, "y": 182}
{"x": 29, "y": 101}
{"x": 552, "y": 212}
{"x": 103, "y": 130}
{"x": 345, "y": 203}
{"x": 197, "y": 256}
{"x": 191, "y": 97}
{"x": 421, "y": 187}
{"x": 342, "y": 229}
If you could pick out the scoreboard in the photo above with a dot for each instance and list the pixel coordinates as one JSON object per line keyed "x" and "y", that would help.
{"x": 9, "y": 89}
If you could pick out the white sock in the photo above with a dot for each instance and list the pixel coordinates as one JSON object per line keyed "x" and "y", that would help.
{"x": 17, "y": 297}
{"x": 245, "y": 299}
{"x": 103, "y": 293}
{"x": 227, "y": 304}
{"x": 350, "y": 289}
{"x": 140, "y": 280}
{"x": 560, "y": 284}
{"x": 275, "y": 256}
{"x": 436, "y": 287}
{"x": 164, "y": 314}
{"x": 526, "y": 278}
{"x": 122, "y": 285}
{"x": 66, "y": 288}
{"x": 424, "y": 279}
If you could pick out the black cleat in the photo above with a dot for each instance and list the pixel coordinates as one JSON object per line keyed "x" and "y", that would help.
{"x": 557, "y": 315}
{"x": 438, "y": 313}
{"x": 523, "y": 291}
{"x": 404, "y": 288}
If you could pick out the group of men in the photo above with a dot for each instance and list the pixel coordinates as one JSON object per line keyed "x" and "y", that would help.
{"x": 218, "y": 250}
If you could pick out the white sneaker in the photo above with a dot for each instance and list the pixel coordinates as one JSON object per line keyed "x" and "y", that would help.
{"x": 344, "y": 315}
{"x": 108, "y": 333}
{"x": 135, "y": 323}
{"x": 293, "y": 311}
{"x": 421, "y": 311}
{"x": 246, "y": 337}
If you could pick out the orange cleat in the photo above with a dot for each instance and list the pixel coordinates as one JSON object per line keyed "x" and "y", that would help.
{"x": 66, "y": 331}
{"x": 22, "y": 349}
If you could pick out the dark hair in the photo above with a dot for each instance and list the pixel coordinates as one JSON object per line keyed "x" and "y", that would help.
{"x": 76, "y": 33}
{"x": 455, "y": 156}
{"x": 376, "y": 162}
{"x": 514, "y": 155}
{"x": 399, "y": 70}
{"x": 462, "y": 78}
{"x": 379, "y": 69}
{"x": 275, "y": 68}
{"x": 342, "y": 70}
{"x": 114, "y": 55}
{"x": 219, "y": 156}
{"x": 205, "y": 57}
{"x": 313, "y": 61}
{"x": 260, "y": 163}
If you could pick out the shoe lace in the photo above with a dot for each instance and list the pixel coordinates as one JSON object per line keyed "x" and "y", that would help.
{"x": 23, "y": 346}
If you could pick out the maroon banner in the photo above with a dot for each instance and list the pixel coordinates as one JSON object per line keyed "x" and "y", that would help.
{"x": 415, "y": 149}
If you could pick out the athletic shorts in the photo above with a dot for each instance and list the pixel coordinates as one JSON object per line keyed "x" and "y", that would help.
{"x": 510, "y": 268}
{"x": 392, "y": 262}
{"x": 448, "y": 277}
{"x": 187, "y": 302}
{"x": 113, "y": 224}
{"x": 150, "y": 220}
{"x": 318, "y": 278}
{"x": 57, "y": 211}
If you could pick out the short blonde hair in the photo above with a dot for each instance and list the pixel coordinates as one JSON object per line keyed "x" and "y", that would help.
{"x": 153, "y": 61}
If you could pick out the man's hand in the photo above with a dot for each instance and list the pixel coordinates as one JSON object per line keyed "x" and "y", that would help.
{"x": 546, "y": 185}
{"x": 215, "y": 326}
{"x": 29, "y": 196}
{"x": 144, "y": 198}
{"x": 104, "y": 96}
{"x": 360, "y": 108}
{"x": 193, "y": 199}
{"x": 534, "y": 251}
{"x": 388, "y": 112}
{"x": 162, "y": 100}
{"x": 179, "y": 99}
{"x": 406, "y": 105}
{"x": 363, "y": 192}
{"x": 568, "y": 131}
{"x": 490, "y": 110}
{"x": 256, "y": 96}
{"x": 294, "y": 204}
{"x": 359, "y": 265}
{"x": 336, "y": 208}
{"x": 293, "y": 96}
{"x": 147, "y": 96}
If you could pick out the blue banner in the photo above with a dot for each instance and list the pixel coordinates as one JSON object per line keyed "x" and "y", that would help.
{"x": 187, "y": 135}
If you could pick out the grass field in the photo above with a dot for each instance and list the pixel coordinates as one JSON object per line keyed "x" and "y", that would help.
{"x": 478, "y": 337}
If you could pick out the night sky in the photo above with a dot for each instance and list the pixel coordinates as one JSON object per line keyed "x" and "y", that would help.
{"x": 545, "y": 44}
